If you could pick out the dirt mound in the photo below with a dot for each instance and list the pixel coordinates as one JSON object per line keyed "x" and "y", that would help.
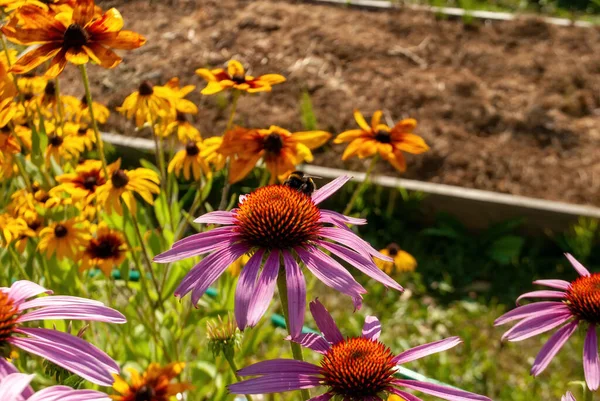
{"x": 511, "y": 107}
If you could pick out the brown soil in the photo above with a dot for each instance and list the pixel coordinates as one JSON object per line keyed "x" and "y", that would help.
{"x": 511, "y": 107}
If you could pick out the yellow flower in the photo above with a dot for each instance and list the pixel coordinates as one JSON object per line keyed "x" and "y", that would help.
{"x": 105, "y": 250}
{"x": 78, "y": 37}
{"x": 235, "y": 78}
{"x": 81, "y": 112}
{"x": 190, "y": 161}
{"x": 66, "y": 238}
{"x": 183, "y": 128}
{"x": 148, "y": 104}
{"x": 24, "y": 203}
{"x": 176, "y": 95}
{"x": 122, "y": 186}
{"x": 35, "y": 226}
{"x": 31, "y": 86}
{"x": 210, "y": 152}
{"x": 81, "y": 131}
{"x": 83, "y": 184}
{"x": 62, "y": 147}
{"x": 236, "y": 267}
{"x": 379, "y": 138}
{"x": 12, "y": 228}
{"x": 11, "y": 5}
{"x": 403, "y": 261}
{"x": 280, "y": 149}
{"x": 154, "y": 385}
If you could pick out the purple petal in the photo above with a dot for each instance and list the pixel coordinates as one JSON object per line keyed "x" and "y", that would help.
{"x": 535, "y": 325}
{"x": 332, "y": 274}
{"x": 296, "y": 291}
{"x": 322, "y": 397}
{"x": 329, "y": 189}
{"x": 312, "y": 341}
{"x": 406, "y": 396}
{"x": 371, "y": 328}
{"x": 352, "y": 241}
{"x": 280, "y": 366}
{"x": 13, "y": 386}
{"x": 23, "y": 290}
{"x": 215, "y": 232}
{"x": 364, "y": 264}
{"x": 528, "y": 310}
{"x": 197, "y": 246}
{"x": 72, "y": 308}
{"x": 444, "y": 392}
{"x": 274, "y": 383}
{"x": 245, "y": 288}
{"x": 325, "y": 322}
{"x": 568, "y": 397}
{"x": 329, "y": 216}
{"x": 542, "y": 294}
{"x": 208, "y": 270}
{"x": 264, "y": 290}
{"x": 69, "y": 352}
{"x": 426, "y": 349}
{"x": 577, "y": 266}
{"x": 217, "y": 217}
{"x": 591, "y": 363}
{"x": 64, "y": 393}
{"x": 558, "y": 284}
{"x": 553, "y": 345}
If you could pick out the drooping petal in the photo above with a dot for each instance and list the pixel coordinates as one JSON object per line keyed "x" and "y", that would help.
{"x": 22, "y": 290}
{"x": 264, "y": 290}
{"x": 312, "y": 341}
{"x": 426, "y": 349}
{"x": 340, "y": 218}
{"x": 352, "y": 241}
{"x": 329, "y": 189}
{"x": 102, "y": 55}
{"x": 216, "y": 217}
{"x": 199, "y": 244}
{"x": 274, "y": 383}
{"x": 558, "y": 284}
{"x": 215, "y": 232}
{"x": 542, "y": 294}
{"x": 568, "y": 397}
{"x": 280, "y": 366}
{"x": 525, "y": 311}
{"x": 591, "y": 363}
{"x": 444, "y": 392}
{"x": 371, "y": 328}
{"x": 325, "y": 322}
{"x": 577, "y": 266}
{"x": 64, "y": 393}
{"x": 296, "y": 290}
{"x": 13, "y": 385}
{"x": 245, "y": 288}
{"x": 322, "y": 397}
{"x": 537, "y": 324}
{"x": 550, "y": 349}
{"x": 73, "y": 311}
{"x": 35, "y": 57}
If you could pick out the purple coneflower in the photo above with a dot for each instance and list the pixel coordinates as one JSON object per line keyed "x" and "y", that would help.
{"x": 353, "y": 368}
{"x": 579, "y": 304}
{"x": 274, "y": 223}
{"x": 63, "y": 349}
{"x": 14, "y": 386}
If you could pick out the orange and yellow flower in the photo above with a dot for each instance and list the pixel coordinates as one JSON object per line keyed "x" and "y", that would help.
{"x": 210, "y": 152}
{"x": 403, "y": 261}
{"x": 122, "y": 186}
{"x": 77, "y": 37}
{"x": 190, "y": 161}
{"x": 234, "y": 77}
{"x": 65, "y": 238}
{"x": 12, "y": 228}
{"x": 105, "y": 250}
{"x": 82, "y": 185}
{"x": 148, "y": 104}
{"x": 183, "y": 128}
{"x": 380, "y": 138}
{"x": 63, "y": 148}
{"x": 281, "y": 150}
{"x": 156, "y": 384}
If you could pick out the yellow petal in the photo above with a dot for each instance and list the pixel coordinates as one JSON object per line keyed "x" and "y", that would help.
{"x": 312, "y": 139}
{"x": 375, "y": 120}
{"x": 235, "y": 68}
{"x": 348, "y": 136}
{"x": 212, "y": 88}
{"x": 361, "y": 121}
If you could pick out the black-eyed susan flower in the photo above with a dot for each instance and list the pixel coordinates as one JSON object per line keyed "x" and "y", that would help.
{"x": 190, "y": 162}
{"x": 379, "y": 138}
{"x": 122, "y": 186}
{"x": 148, "y": 103}
{"x": 155, "y": 384}
{"x": 31, "y": 86}
{"x": 183, "y": 128}
{"x": 65, "y": 238}
{"x": 402, "y": 260}
{"x": 176, "y": 95}
{"x": 76, "y": 37}
{"x": 25, "y": 203}
{"x": 234, "y": 77}
{"x": 80, "y": 112}
{"x": 12, "y": 228}
{"x": 210, "y": 152}
{"x": 82, "y": 185}
{"x": 281, "y": 150}
{"x": 105, "y": 250}
{"x": 63, "y": 148}
{"x": 35, "y": 226}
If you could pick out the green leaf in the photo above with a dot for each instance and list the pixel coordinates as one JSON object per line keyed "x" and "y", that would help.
{"x": 505, "y": 249}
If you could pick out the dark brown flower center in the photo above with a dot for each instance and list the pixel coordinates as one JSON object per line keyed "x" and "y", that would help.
{"x": 106, "y": 246}
{"x": 393, "y": 249}
{"x": 145, "y": 393}
{"x": 191, "y": 148}
{"x": 34, "y": 225}
{"x": 273, "y": 143}
{"x": 119, "y": 179}
{"x": 75, "y": 36}
{"x": 181, "y": 117}
{"x": 146, "y": 89}
{"x": 239, "y": 79}
{"x": 84, "y": 101}
{"x": 8, "y": 315}
{"x": 90, "y": 182}
{"x": 50, "y": 89}
{"x": 583, "y": 298}
{"x": 383, "y": 136}
{"x": 357, "y": 368}
{"x": 55, "y": 140}
{"x": 60, "y": 231}
{"x": 81, "y": 131}
{"x": 278, "y": 217}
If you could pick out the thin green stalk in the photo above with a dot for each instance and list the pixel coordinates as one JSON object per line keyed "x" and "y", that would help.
{"x": 296, "y": 348}
{"x": 265, "y": 177}
{"x": 360, "y": 188}
{"x": 589, "y": 394}
{"x": 88, "y": 98}
{"x": 15, "y": 260}
{"x": 59, "y": 103}
{"x": 227, "y": 186}
{"x": 234, "y": 369}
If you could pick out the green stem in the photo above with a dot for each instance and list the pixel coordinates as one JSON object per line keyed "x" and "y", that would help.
{"x": 265, "y": 177}
{"x": 15, "y": 260}
{"x": 160, "y": 158}
{"x": 59, "y": 103}
{"x": 23, "y": 172}
{"x": 234, "y": 369}
{"x": 227, "y": 186}
{"x": 88, "y": 98}
{"x": 296, "y": 348}
{"x": 362, "y": 185}
{"x": 589, "y": 394}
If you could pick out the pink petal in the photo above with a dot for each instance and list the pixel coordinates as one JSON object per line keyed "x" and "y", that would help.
{"x": 245, "y": 288}
{"x": 329, "y": 216}
{"x": 63, "y": 393}
{"x": 447, "y": 393}
{"x": 217, "y": 217}
{"x": 542, "y": 294}
{"x": 535, "y": 325}
{"x": 312, "y": 341}
{"x": 371, "y": 328}
{"x": 591, "y": 363}
{"x": 280, "y": 366}
{"x": 322, "y": 397}
{"x": 264, "y": 290}
{"x": 13, "y": 386}
{"x": 329, "y": 189}
{"x": 426, "y": 349}
{"x": 325, "y": 322}
{"x": 274, "y": 383}
{"x": 568, "y": 397}
{"x": 551, "y": 347}
{"x": 577, "y": 266}
{"x": 296, "y": 291}
{"x": 23, "y": 290}
{"x": 558, "y": 284}
{"x": 352, "y": 241}
{"x": 529, "y": 310}
{"x": 209, "y": 242}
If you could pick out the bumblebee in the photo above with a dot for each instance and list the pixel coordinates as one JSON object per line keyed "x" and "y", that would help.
{"x": 302, "y": 182}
